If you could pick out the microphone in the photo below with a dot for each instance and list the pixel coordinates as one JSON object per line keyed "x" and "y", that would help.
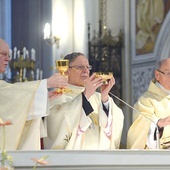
{"x": 157, "y": 131}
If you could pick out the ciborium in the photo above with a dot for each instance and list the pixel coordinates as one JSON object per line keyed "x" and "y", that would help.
{"x": 62, "y": 66}
{"x": 106, "y": 76}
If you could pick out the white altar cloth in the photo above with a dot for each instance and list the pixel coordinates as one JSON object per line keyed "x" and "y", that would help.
{"x": 99, "y": 160}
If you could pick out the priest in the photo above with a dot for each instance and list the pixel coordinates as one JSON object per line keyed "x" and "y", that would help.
{"x": 23, "y": 105}
{"x": 84, "y": 119}
{"x": 152, "y": 112}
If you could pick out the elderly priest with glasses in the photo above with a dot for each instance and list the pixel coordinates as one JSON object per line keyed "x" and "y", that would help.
{"x": 84, "y": 119}
{"x": 155, "y": 105}
{"x": 22, "y": 105}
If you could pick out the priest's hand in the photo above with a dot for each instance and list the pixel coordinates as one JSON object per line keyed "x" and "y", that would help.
{"x": 105, "y": 88}
{"x": 57, "y": 80}
{"x": 163, "y": 122}
{"x": 91, "y": 85}
{"x": 53, "y": 94}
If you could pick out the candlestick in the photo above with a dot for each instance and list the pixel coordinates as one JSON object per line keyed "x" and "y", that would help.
{"x": 23, "y": 66}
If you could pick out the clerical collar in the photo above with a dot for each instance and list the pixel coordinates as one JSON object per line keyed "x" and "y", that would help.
{"x": 76, "y": 89}
{"x": 158, "y": 84}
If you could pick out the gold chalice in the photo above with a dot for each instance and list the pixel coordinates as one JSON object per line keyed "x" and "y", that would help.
{"x": 105, "y": 76}
{"x": 62, "y": 66}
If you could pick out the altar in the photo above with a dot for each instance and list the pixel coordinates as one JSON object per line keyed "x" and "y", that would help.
{"x": 93, "y": 160}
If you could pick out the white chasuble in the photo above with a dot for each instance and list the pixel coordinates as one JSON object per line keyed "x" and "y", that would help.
{"x": 75, "y": 130}
{"x": 23, "y": 104}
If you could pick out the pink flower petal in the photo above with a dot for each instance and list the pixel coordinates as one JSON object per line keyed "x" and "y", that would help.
{"x": 6, "y": 123}
{"x": 40, "y": 161}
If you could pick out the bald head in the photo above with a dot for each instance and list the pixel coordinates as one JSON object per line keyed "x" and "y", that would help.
{"x": 3, "y": 45}
{"x": 163, "y": 63}
{"x": 4, "y": 55}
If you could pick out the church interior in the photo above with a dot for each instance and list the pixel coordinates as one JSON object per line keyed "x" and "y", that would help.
{"x": 112, "y": 34}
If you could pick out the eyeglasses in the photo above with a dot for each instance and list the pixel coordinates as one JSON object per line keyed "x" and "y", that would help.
{"x": 81, "y": 67}
{"x": 3, "y": 54}
{"x": 167, "y": 74}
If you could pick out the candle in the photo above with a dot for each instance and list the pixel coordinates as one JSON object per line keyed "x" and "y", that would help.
{"x": 24, "y": 52}
{"x": 27, "y": 54}
{"x": 33, "y": 54}
{"x": 24, "y": 73}
{"x": 32, "y": 74}
{"x": 10, "y": 54}
{"x": 15, "y": 52}
{"x": 37, "y": 74}
{"x": 47, "y": 31}
{"x": 41, "y": 74}
{"x": 18, "y": 54}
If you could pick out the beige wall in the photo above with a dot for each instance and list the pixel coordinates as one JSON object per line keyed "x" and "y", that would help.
{"x": 76, "y": 14}
{"x": 115, "y": 13}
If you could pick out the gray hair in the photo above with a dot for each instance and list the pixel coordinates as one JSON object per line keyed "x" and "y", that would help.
{"x": 159, "y": 64}
{"x": 72, "y": 57}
